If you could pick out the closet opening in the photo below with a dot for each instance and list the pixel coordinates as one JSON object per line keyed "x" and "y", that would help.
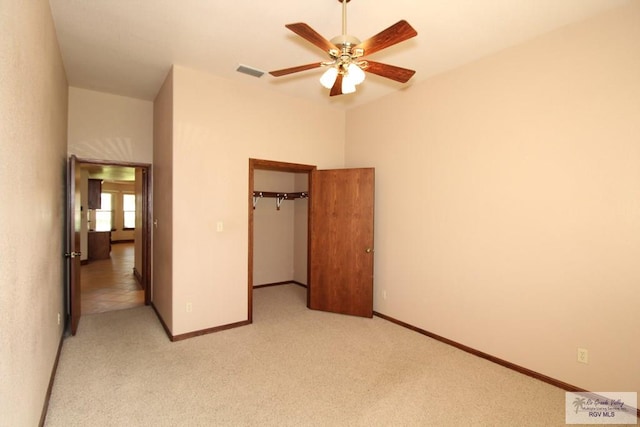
{"x": 278, "y": 225}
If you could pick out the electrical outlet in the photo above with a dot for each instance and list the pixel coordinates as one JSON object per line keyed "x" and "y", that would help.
{"x": 220, "y": 226}
{"x": 58, "y": 318}
{"x": 384, "y": 294}
{"x": 583, "y": 355}
{"x": 189, "y": 307}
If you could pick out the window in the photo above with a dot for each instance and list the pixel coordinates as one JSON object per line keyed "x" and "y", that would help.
{"x": 129, "y": 209}
{"x": 104, "y": 215}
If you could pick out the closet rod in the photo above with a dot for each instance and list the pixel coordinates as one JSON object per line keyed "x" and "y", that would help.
{"x": 280, "y": 197}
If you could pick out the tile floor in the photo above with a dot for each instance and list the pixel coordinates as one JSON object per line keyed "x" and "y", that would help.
{"x": 109, "y": 284}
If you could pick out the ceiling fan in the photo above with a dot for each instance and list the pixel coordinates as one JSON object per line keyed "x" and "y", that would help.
{"x": 346, "y": 66}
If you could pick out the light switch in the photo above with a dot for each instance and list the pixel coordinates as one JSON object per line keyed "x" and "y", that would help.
{"x": 220, "y": 226}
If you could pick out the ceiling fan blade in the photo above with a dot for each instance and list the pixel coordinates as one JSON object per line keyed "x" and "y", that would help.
{"x": 398, "y": 32}
{"x": 285, "y": 71}
{"x": 392, "y": 72}
{"x": 337, "y": 86}
{"x": 310, "y": 35}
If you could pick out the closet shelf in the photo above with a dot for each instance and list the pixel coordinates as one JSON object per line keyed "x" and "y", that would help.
{"x": 280, "y": 197}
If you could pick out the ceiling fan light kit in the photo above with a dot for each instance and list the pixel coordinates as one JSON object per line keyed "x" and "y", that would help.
{"x": 329, "y": 77}
{"x": 356, "y": 73}
{"x": 346, "y": 69}
{"x": 352, "y": 76}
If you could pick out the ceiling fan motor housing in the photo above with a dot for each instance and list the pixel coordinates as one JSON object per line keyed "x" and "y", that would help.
{"x": 346, "y": 55}
{"x": 344, "y": 40}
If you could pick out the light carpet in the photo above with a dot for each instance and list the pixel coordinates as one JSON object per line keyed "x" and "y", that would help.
{"x": 291, "y": 367}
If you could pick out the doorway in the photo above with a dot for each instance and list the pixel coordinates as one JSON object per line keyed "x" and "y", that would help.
{"x": 275, "y": 202}
{"x": 339, "y": 237}
{"x": 113, "y": 220}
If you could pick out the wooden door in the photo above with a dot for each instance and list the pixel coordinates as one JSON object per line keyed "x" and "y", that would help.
{"x": 341, "y": 241}
{"x": 74, "y": 217}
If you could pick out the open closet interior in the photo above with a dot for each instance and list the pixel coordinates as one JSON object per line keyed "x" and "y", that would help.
{"x": 280, "y": 221}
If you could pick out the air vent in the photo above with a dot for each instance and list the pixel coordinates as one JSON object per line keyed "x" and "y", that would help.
{"x": 250, "y": 71}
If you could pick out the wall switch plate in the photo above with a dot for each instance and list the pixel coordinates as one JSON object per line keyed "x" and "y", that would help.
{"x": 58, "y": 318}
{"x": 189, "y": 307}
{"x": 583, "y": 355}
{"x": 219, "y": 226}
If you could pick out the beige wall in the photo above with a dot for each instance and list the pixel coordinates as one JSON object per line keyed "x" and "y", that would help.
{"x": 33, "y": 126}
{"x": 508, "y": 202}
{"x": 162, "y": 228}
{"x": 273, "y": 229}
{"x": 218, "y": 126}
{"x": 103, "y": 126}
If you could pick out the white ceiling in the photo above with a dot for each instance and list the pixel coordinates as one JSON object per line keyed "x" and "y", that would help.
{"x": 126, "y": 47}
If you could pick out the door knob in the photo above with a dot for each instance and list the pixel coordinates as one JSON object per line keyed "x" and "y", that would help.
{"x": 368, "y": 250}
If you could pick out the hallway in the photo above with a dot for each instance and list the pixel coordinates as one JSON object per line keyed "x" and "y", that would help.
{"x": 109, "y": 284}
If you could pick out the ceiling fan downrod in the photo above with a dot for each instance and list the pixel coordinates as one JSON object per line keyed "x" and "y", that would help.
{"x": 345, "y": 42}
{"x": 344, "y": 16}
